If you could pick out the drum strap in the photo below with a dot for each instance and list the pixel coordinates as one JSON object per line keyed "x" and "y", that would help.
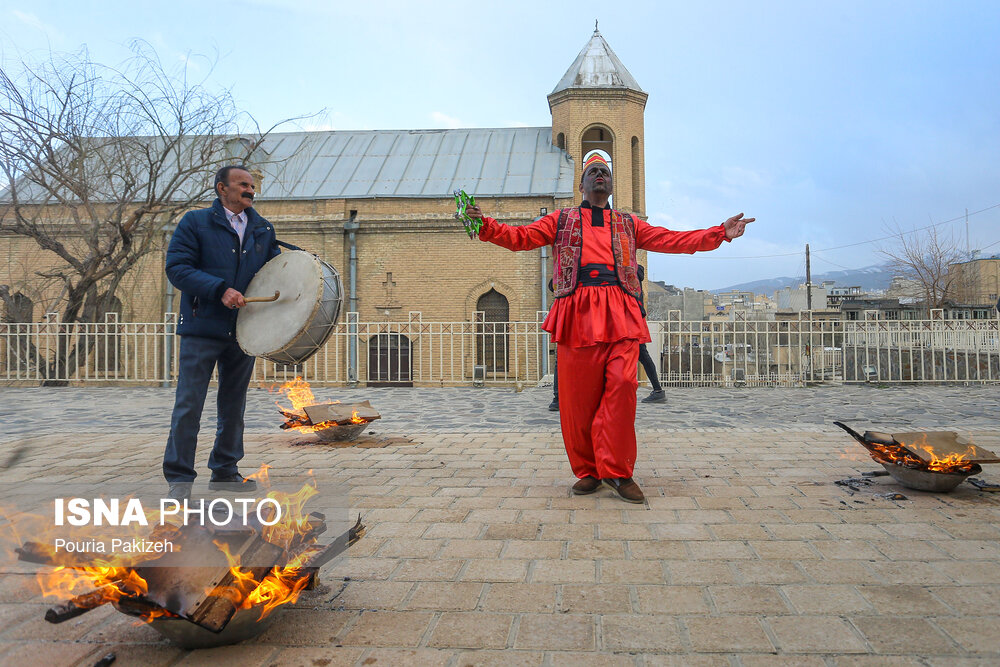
{"x": 288, "y": 245}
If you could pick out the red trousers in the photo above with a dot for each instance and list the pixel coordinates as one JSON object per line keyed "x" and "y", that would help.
{"x": 597, "y": 388}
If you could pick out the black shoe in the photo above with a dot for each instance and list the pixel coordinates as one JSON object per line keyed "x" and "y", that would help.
{"x": 656, "y": 396}
{"x": 554, "y": 405}
{"x": 180, "y": 491}
{"x": 234, "y": 482}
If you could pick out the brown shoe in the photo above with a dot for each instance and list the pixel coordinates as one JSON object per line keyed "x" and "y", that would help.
{"x": 586, "y": 486}
{"x": 626, "y": 489}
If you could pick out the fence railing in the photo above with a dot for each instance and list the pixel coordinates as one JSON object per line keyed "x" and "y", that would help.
{"x": 687, "y": 353}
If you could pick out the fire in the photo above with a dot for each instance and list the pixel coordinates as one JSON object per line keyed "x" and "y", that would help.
{"x": 958, "y": 462}
{"x": 263, "y": 588}
{"x": 900, "y": 456}
{"x": 300, "y": 394}
{"x": 280, "y": 585}
{"x": 113, "y": 583}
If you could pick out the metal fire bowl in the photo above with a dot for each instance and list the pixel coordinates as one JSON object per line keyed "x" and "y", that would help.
{"x": 341, "y": 432}
{"x": 242, "y": 626}
{"x": 928, "y": 480}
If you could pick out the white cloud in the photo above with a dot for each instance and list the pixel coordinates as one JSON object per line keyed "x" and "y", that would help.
{"x": 446, "y": 121}
{"x": 34, "y": 22}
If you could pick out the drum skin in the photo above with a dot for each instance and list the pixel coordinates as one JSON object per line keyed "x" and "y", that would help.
{"x": 296, "y": 325}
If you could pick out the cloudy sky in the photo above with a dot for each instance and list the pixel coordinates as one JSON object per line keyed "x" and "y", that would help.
{"x": 829, "y": 122}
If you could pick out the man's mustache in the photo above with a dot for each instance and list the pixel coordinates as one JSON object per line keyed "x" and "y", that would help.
{"x": 248, "y": 195}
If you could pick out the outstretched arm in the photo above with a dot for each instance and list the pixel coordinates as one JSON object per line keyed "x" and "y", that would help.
{"x": 661, "y": 239}
{"x": 540, "y": 233}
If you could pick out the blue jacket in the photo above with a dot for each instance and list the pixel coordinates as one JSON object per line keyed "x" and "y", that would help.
{"x": 205, "y": 258}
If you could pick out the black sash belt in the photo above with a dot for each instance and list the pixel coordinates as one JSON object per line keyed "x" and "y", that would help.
{"x": 597, "y": 274}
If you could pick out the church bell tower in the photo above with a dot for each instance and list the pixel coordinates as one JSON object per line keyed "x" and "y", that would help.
{"x": 598, "y": 105}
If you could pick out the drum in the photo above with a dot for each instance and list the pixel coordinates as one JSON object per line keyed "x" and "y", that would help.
{"x": 293, "y": 327}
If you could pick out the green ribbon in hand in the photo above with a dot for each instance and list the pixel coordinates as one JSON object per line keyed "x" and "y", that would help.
{"x": 462, "y": 202}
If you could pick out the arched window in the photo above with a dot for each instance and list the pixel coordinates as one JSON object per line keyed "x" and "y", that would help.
{"x": 636, "y": 177}
{"x": 491, "y": 331}
{"x": 390, "y": 363}
{"x": 561, "y": 141}
{"x": 19, "y": 314}
{"x": 597, "y": 138}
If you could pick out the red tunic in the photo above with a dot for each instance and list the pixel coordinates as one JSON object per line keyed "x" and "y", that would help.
{"x": 598, "y": 313}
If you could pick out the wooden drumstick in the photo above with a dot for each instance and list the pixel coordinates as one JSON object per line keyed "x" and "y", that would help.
{"x": 262, "y": 299}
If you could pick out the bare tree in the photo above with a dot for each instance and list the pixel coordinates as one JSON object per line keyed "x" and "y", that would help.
{"x": 924, "y": 257}
{"x": 97, "y": 161}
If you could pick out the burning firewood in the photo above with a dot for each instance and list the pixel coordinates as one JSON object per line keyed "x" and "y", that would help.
{"x": 932, "y": 461}
{"x": 215, "y": 573}
{"x": 308, "y": 416}
{"x": 80, "y": 604}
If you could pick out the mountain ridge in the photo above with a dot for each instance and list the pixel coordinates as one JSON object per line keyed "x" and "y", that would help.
{"x": 874, "y": 277}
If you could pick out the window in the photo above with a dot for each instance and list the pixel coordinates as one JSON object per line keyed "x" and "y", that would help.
{"x": 636, "y": 176}
{"x": 491, "y": 332}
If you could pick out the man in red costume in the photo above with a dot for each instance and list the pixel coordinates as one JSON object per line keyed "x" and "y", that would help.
{"x": 596, "y": 320}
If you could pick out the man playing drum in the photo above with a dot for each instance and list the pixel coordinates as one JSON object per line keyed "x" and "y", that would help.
{"x": 213, "y": 255}
{"x": 596, "y": 320}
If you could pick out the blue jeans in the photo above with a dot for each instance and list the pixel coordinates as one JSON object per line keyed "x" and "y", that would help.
{"x": 198, "y": 358}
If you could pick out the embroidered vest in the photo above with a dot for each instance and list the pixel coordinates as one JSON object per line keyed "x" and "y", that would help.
{"x": 568, "y": 249}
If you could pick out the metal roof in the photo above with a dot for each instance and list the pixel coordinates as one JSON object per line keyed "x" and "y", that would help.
{"x": 507, "y": 162}
{"x": 597, "y": 66}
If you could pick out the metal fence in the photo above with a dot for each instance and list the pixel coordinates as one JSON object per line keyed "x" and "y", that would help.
{"x": 688, "y": 353}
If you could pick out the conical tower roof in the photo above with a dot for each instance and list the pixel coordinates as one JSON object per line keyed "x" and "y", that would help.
{"x": 597, "y": 66}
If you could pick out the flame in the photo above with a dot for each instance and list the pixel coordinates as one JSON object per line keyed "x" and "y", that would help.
{"x": 900, "y": 456}
{"x": 111, "y": 582}
{"x": 300, "y": 394}
{"x": 950, "y": 463}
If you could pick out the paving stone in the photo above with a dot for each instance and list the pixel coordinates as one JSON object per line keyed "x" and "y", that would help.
{"x": 472, "y": 630}
{"x": 505, "y": 658}
{"x": 388, "y": 628}
{"x": 564, "y": 571}
{"x": 826, "y": 599}
{"x": 555, "y": 632}
{"x": 488, "y": 570}
{"x": 370, "y": 594}
{"x": 747, "y": 599}
{"x": 687, "y": 660}
{"x": 240, "y": 655}
{"x": 595, "y": 599}
{"x": 815, "y": 634}
{"x": 305, "y": 627}
{"x": 325, "y": 656}
{"x": 672, "y": 600}
{"x": 445, "y": 596}
{"x": 640, "y": 633}
{"x": 631, "y": 572}
{"x": 976, "y": 634}
{"x": 578, "y": 659}
{"x": 903, "y": 600}
{"x": 524, "y": 598}
{"x": 896, "y": 635}
{"x": 735, "y": 633}
{"x": 424, "y": 657}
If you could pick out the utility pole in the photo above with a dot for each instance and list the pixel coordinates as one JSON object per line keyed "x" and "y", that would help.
{"x": 809, "y": 284}
{"x": 968, "y": 245}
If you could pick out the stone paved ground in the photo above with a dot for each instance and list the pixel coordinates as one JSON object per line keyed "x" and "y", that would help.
{"x": 746, "y": 553}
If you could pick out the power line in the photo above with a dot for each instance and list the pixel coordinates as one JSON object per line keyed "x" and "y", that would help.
{"x": 852, "y": 245}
